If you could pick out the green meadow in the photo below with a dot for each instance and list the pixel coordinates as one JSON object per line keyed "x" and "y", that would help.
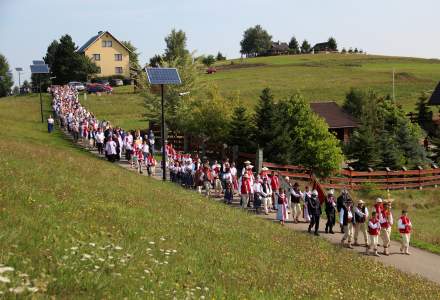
{"x": 73, "y": 226}
{"x": 327, "y": 77}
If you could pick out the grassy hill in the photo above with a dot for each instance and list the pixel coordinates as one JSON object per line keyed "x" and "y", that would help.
{"x": 74, "y": 226}
{"x": 327, "y": 76}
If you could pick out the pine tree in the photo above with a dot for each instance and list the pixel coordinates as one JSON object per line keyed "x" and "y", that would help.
{"x": 364, "y": 148}
{"x": 391, "y": 155}
{"x": 294, "y": 45}
{"x": 240, "y": 130}
{"x": 264, "y": 115}
{"x": 424, "y": 114}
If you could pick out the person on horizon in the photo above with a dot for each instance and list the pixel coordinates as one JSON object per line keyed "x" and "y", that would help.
{"x": 315, "y": 212}
{"x": 404, "y": 224}
{"x": 330, "y": 211}
{"x": 373, "y": 233}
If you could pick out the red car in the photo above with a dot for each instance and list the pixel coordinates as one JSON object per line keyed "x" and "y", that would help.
{"x": 211, "y": 70}
{"x": 99, "y": 88}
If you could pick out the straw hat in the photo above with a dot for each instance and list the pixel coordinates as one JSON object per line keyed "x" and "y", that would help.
{"x": 247, "y": 162}
{"x": 287, "y": 178}
{"x": 331, "y": 192}
{"x": 379, "y": 200}
{"x": 361, "y": 202}
{"x": 249, "y": 167}
{"x": 264, "y": 169}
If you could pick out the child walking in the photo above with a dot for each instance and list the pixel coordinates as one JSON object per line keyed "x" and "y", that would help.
{"x": 404, "y": 226}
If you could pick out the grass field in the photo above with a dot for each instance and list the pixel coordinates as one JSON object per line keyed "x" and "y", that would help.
{"x": 74, "y": 226}
{"x": 325, "y": 77}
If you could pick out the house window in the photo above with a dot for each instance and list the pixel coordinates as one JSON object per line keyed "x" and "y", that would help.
{"x": 99, "y": 70}
{"x": 96, "y": 57}
{"x": 118, "y": 70}
{"x": 106, "y": 43}
{"x": 118, "y": 57}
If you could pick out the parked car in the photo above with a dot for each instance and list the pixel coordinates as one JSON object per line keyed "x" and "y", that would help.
{"x": 116, "y": 82}
{"x": 78, "y": 85}
{"x": 211, "y": 70}
{"x": 102, "y": 81}
{"x": 99, "y": 88}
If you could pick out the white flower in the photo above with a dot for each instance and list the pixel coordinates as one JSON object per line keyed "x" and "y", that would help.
{"x": 174, "y": 251}
{"x": 74, "y": 248}
{"x": 4, "y": 279}
{"x": 202, "y": 297}
{"x": 199, "y": 288}
{"x": 111, "y": 265}
{"x": 23, "y": 275}
{"x": 6, "y": 269}
{"x": 206, "y": 289}
{"x": 118, "y": 248}
{"x": 32, "y": 289}
{"x": 17, "y": 290}
{"x": 87, "y": 256}
{"x": 97, "y": 267}
{"x": 92, "y": 244}
{"x": 148, "y": 249}
{"x": 147, "y": 271}
{"x": 162, "y": 239}
{"x": 151, "y": 243}
{"x": 165, "y": 262}
{"x": 110, "y": 257}
{"x": 101, "y": 259}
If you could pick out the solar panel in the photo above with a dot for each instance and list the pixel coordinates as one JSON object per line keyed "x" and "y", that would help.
{"x": 163, "y": 76}
{"x": 39, "y": 69}
{"x": 38, "y": 62}
{"x": 19, "y": 69}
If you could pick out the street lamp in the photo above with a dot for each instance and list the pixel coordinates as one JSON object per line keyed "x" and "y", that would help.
{"x": 162, "y": 76}
{"x": 40, "y": 68}
{"x": 19, "y": 70}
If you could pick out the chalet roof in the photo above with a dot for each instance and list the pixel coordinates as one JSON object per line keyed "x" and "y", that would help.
{"x": 93, "y": 39}
{"x": 321, "y": 45}
{"x": 280, "y": 46}
{"x": 334, "y": 115}
{"x": 435, "y": 97}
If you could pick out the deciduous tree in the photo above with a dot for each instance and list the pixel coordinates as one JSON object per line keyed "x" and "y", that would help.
{"x": 5, "y": 79}
{"x": 305, "y": 47}
{"x": 256, "y": 40}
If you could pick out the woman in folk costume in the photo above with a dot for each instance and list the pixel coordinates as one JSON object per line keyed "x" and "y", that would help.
{"x": 282, "y": 206}
{"x": 267, "y": 200}
{"x": 295, "y": 200}
{"x": 405, "y": 226}
{"x": 347, "y": 220}
{"x": 234, "y": 177}
{"x": 361, "y": 216}
{"x": 378, "y": 206}
{"x": 306, "y": 197}
{"x": 373, "y": 233}
{"x": 198, "y": 178}
{"x": 258, "y": 193}
{"x": 330, "y": 211}
{"x": 251, "y": 178}
{"x": 245, "y": 190}
{"x": 386, "y": 222}
{"x": 216, "y": 171}
{"x": 275, "y": 186}
{"x": 207, "y": 179}
{"x": 151, "y": 164}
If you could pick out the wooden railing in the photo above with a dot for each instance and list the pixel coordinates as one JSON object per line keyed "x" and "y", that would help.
{"x": 356, "y": 180}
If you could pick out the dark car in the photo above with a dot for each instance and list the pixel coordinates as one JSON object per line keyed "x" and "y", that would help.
{"x": 99, "y": 88}
{"x": 116, "y": 82}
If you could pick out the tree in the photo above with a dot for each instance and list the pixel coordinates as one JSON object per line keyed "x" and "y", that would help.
{"x": 208, "y": 60}
{"x": 424, "y": 114}
{"x": 264, "y": 121}
{"x": 305, "y": 47}
{"x": 255, "y": 41}
{"x": 354, "y": 102}
{"x": 303, "y": 138}
{"x": 241, "y": 131}
{"x": 156, "y": 61}
{"x": 356, "y": 50}
{"x": 350, "y": 50}
{"x": 332, "y": 45}
{"x": 294, "y": 45}
{"x": 390, "y": 153}
{"x": 67, "y": 64}
{"x": 175, "y": 45}
{"x": 5, "y": 79}
{"x": 136, "y": 71}
{"x": 220, "y": 56}
{"x": 344, "y": 50}
{"x": 364, "y": 148}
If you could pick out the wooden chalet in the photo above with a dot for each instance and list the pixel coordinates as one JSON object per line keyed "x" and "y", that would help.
{"x": 322, "y": 48}
{"x": 339, "y": 122}
{"x": 278, "y": 48}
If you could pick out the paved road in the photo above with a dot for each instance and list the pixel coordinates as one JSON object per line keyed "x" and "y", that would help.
{"x": 420, "y": 262}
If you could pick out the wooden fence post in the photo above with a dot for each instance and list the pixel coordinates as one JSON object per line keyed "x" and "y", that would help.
{"x": 420, "y": 177}
{"x": 259, "y": 160}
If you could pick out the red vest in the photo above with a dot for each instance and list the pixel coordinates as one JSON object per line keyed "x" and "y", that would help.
{"x": 274, "y": 183}
{"x": 384, "y": 218}
{"x": 245, "y": 186}
{"x": 374, "y": 231}
{"x": 405, "y": 220}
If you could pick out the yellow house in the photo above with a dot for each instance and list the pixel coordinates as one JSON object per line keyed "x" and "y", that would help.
{"x": 109, "y": 54}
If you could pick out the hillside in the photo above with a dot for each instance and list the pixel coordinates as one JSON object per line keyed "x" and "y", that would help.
{"x": 75, "y": 226}
{"x": 325, "y": 77}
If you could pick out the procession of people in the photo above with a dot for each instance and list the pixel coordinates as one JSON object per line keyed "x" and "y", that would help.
{"x": 263, "y": 191}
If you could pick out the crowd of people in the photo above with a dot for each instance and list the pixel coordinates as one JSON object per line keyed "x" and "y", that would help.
{"x": 263, "y": 191}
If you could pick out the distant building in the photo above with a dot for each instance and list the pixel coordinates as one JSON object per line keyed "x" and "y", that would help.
{"x": 435, "y": 97}
{"x": 109, "y": 54}
{"x": 278, "y": 48}
{"x": 339, "y": 122}
{"x": 322, "y": 47}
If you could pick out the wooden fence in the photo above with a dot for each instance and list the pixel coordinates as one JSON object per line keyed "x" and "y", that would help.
{"x": 355, "y": 180}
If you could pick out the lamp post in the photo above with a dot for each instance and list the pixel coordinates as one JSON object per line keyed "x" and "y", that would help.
{"x": 162, "y": 76}
{"x": 19, "y": 70}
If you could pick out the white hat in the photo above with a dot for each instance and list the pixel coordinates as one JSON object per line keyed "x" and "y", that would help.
{"x": 361, "y": 202}
{"x": 331, "y": 192}
{"x": 245, "y": 175}
{"x": 264, "y": 169}
{"x": 315, "y": 193}
{"x": 247, "y": 162}
{"x": 249, "y": 167}
{"x": 287, "y": 178}
{"x": 379, "y": 200}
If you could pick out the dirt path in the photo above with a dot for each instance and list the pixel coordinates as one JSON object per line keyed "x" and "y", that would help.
{"x": 420, "y": 262}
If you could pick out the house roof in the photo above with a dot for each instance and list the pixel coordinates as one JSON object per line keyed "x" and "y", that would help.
{"x": 321, "y": 45}
{"x": 435, "y": 97}
{"x": 93, "y": 39}
{"x": 334, "y": 115}
{"x": 277, "y": 46}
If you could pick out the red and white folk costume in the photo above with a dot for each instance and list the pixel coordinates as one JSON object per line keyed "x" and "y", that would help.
{"x": 373, "y": 234}
{"x": 405, "y": 226}
{"x": 386, "y": 221}
{"x": 245, "y": 190}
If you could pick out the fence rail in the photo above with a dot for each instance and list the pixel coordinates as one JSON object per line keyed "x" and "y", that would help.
{"x": 356, "y": 180}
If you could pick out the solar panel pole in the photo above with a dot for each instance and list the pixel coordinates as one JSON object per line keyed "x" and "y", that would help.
{"x": 41, "y": 98}
{"x": 162, "y": 129}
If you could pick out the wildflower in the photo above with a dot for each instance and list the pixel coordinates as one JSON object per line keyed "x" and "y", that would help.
{"x": 74, "y": 248}
{"x": 147, "y": 271}
{"x": 118, "y": 248}
{"x": 101, "y": 259}
{"x": 6, "y": 269}
{"x": 32, "y": 289}
{"x": 4, "y": 279}
{"x": 152, "y": 243}
{"x": 92, "y": 244}
{"x": 17, "y": 290}
{"x": 148, "y": 249}
{"x": 96, "y": 267}
{"x": 87, "y": 256}
{"x": 162, "y": 239}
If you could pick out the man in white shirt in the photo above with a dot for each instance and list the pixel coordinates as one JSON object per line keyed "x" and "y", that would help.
{"x": 110, "y": 150}
{"x": 99, "y": 137}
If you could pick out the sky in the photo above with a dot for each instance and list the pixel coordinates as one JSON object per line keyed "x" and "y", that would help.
{"x": 388, "y": 27}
